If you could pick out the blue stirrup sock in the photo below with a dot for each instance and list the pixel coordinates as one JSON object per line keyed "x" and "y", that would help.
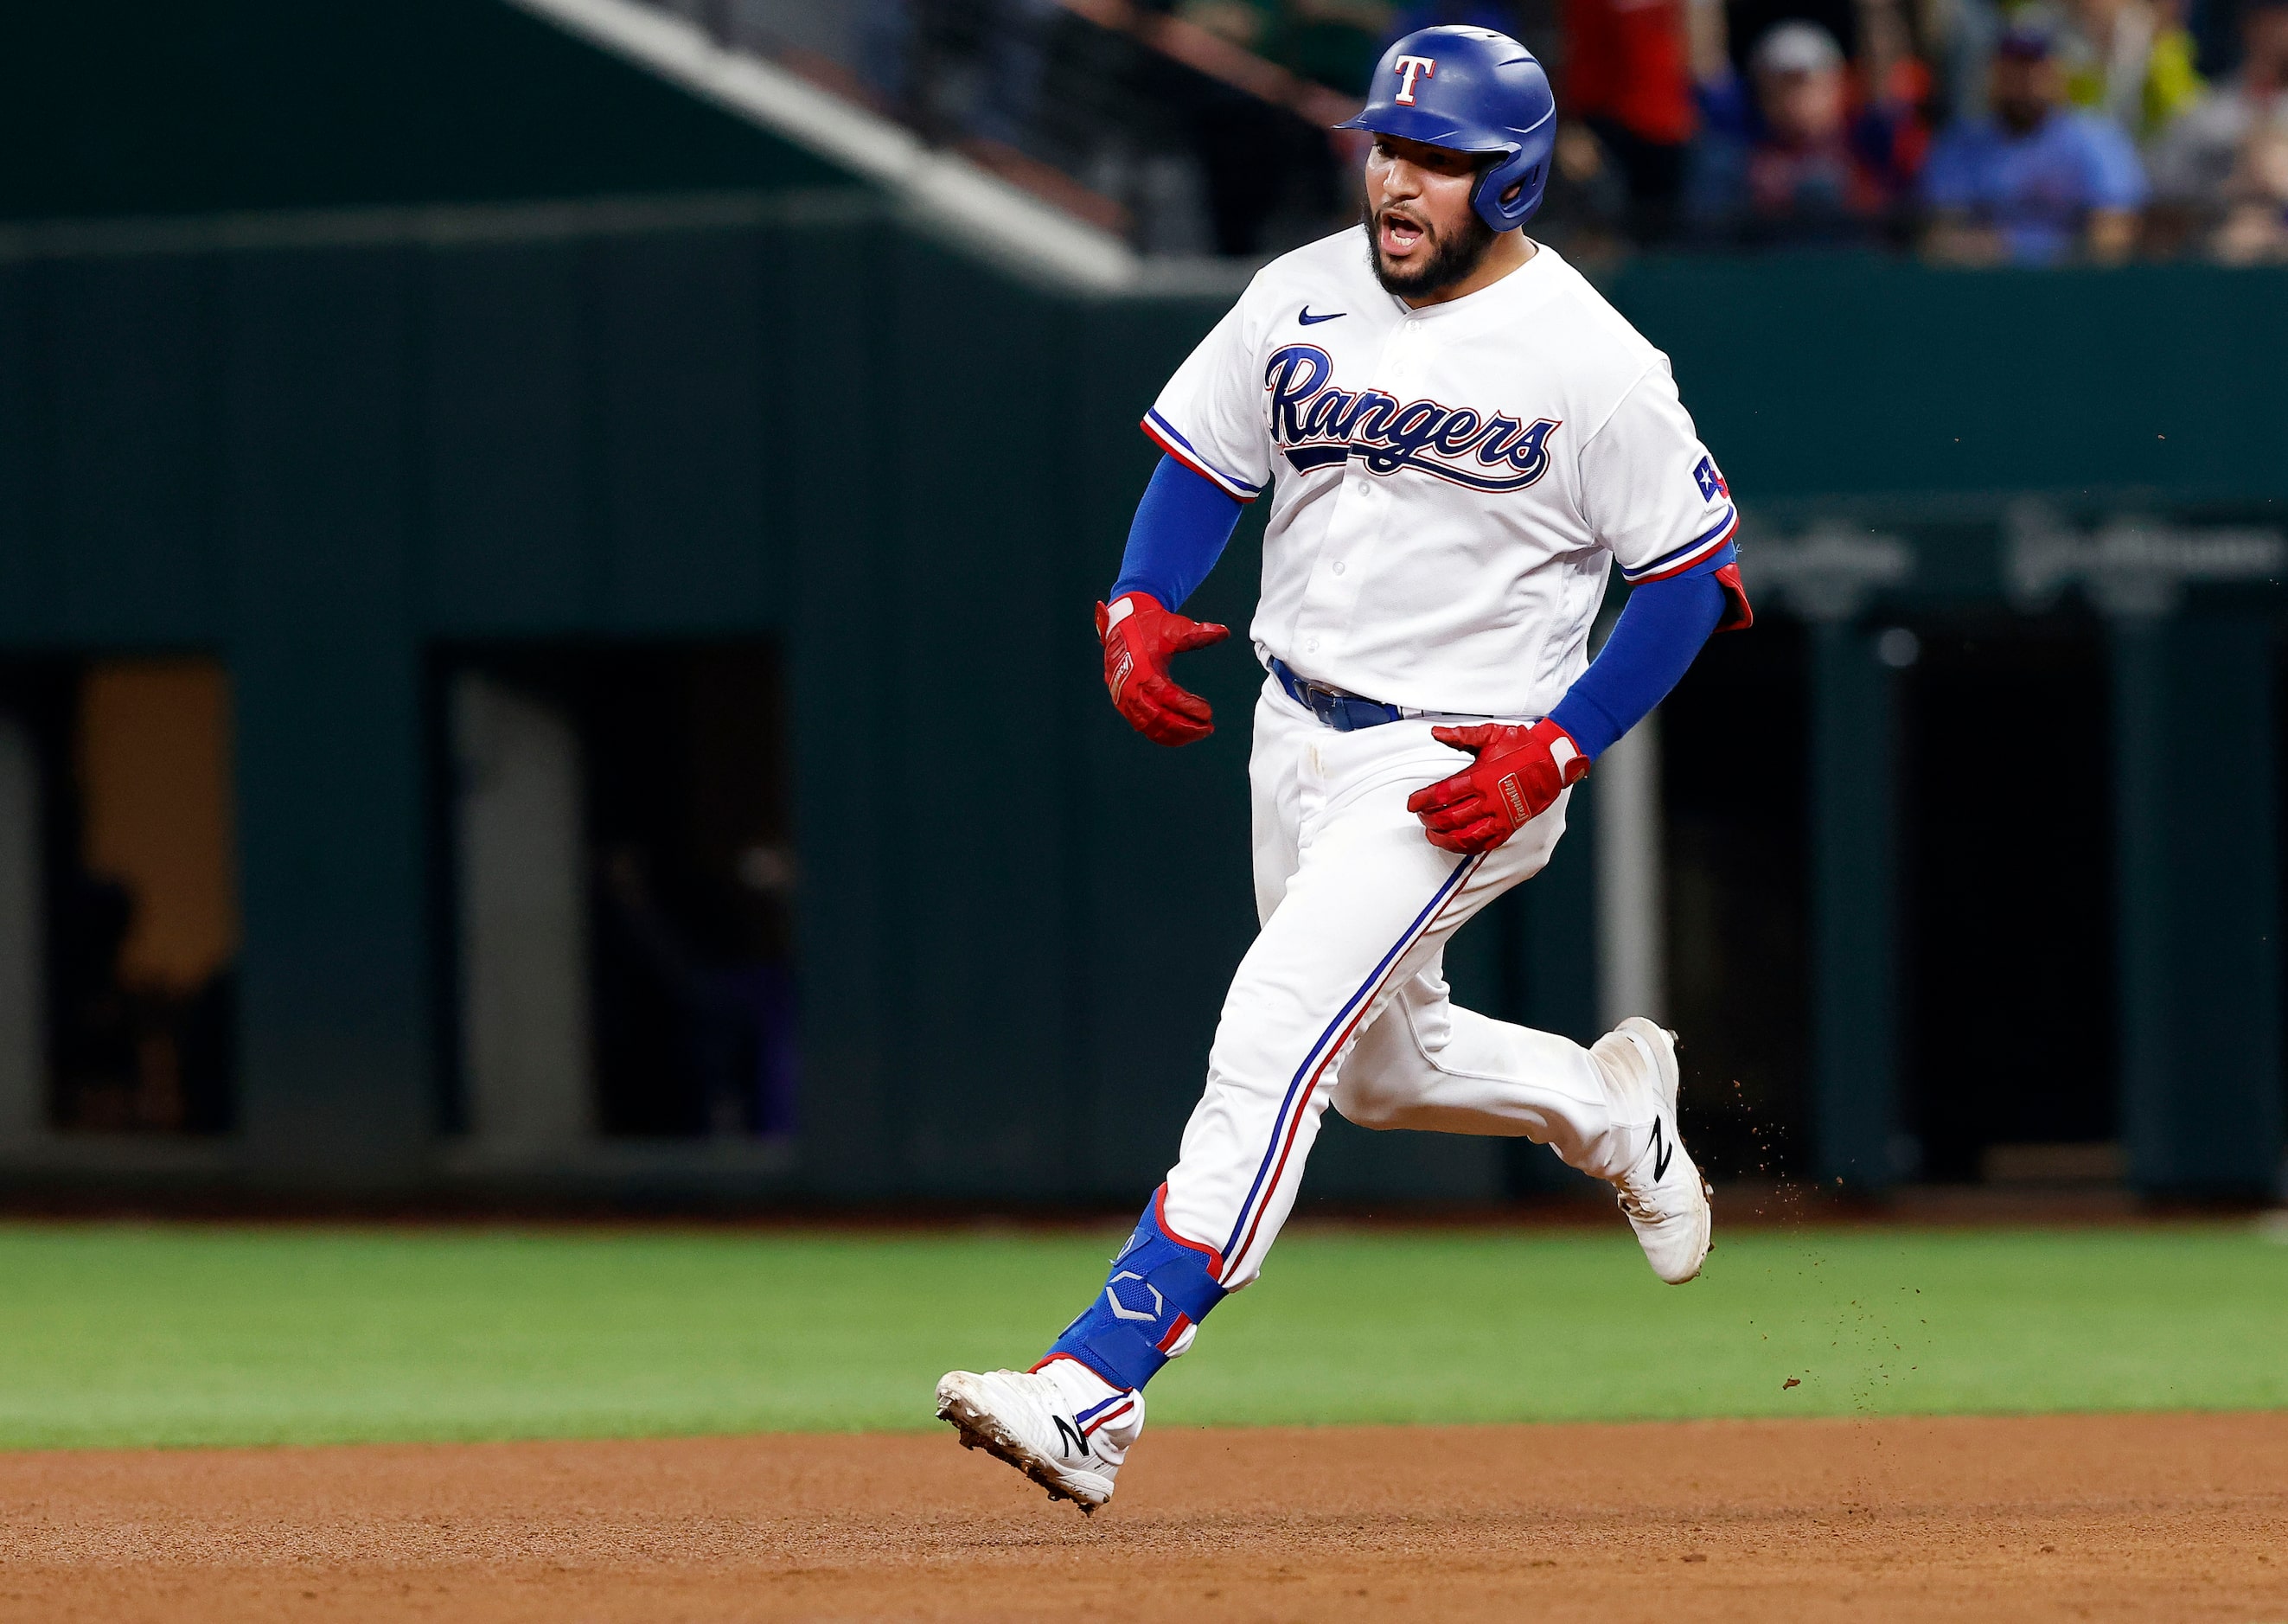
{"x": 1158, "y": 1290}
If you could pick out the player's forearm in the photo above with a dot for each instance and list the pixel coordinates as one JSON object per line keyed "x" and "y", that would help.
{"x": 1180, "y": 528}
{"x": 1653, "y": 644}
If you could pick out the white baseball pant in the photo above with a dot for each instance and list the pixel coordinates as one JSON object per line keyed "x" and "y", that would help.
{"x": 1341, "y": 999}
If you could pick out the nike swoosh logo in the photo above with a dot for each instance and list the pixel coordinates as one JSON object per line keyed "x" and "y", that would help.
{"x": 1308, "y": 320}
{"x": 1660, "y": 1153}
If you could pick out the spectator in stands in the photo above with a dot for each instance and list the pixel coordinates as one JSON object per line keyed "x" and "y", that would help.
{"x": 2196, "y": 158}
{"x": 2255, "y": 231}
{"x": 2130, "y": 60}
{"x": 1629, "y": 82}
{"x": 2036, "y": 182}
{"x": 1799, "y": 166}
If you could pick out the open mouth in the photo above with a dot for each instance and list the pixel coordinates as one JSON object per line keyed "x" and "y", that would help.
{"x": 1397, "y": 235}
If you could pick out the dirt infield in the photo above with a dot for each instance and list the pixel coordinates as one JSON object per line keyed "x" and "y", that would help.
{"x": 2155, "y": 1517}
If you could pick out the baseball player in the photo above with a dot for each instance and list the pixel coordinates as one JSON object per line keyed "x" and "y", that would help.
{"x": 1460, "y": 439}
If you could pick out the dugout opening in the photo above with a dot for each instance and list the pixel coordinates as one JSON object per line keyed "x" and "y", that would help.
{"x": 624, "y": 884}
{"x": 119, "y": 908}
{"x": 1735, "y": 801}
{"x": 2006, "y": 819}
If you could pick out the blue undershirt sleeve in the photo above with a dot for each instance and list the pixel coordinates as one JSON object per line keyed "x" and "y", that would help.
{"x": 1181, "y": 528}
{"x": 1659, "y": 632}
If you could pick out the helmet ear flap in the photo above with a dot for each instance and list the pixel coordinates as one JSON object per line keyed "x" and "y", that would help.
{"x": 1511, "y": 190}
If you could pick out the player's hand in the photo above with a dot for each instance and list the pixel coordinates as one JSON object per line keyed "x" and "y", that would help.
{"x": 1518, "y": 774}
{"x": 1138, "y": 635}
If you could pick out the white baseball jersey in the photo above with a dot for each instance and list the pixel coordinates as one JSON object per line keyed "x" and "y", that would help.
{"x": 1449, "y": 484}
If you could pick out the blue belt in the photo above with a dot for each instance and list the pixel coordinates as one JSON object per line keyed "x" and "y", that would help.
{"x": 1345, "y": 712}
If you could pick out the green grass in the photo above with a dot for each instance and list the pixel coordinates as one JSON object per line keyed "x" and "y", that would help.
{"x": 117, "y": 1334}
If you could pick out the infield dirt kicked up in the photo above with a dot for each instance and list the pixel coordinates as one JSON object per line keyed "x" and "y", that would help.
{"x": 2171, "y": 1516}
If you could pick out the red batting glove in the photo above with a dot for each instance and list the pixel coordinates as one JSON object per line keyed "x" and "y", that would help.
{"x": 1138, "y": 636}
{"x": 1516, "y": 777}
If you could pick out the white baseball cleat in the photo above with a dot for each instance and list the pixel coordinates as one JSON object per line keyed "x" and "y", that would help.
{"x": 1662, "y": 1192}
{"x": 1071, "y": 1444}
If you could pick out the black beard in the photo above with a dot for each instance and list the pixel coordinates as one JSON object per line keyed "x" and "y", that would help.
{"x": 1453, "y": 258}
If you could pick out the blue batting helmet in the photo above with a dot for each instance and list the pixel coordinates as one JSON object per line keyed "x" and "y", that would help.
{"x": 1471, "y": 90}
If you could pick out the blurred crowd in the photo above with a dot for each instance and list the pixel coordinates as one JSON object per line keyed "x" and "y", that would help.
{"x": 1978, "y": 132}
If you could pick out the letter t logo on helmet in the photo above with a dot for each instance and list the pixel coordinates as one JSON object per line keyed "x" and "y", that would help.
{"x": 1474, "y": 90}
{"x": 1408, "y": 67}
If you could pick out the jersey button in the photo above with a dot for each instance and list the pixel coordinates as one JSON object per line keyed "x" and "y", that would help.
{"x": 1310, "y": 645}
{"x": 1339, "y": 566}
